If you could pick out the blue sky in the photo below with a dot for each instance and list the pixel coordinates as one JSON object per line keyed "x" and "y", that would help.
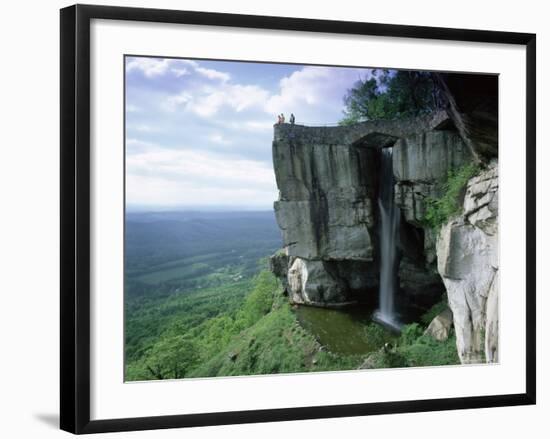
{"x": 199, "y": 133}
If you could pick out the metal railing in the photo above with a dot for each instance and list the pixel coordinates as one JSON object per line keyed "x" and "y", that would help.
{"x": 312, "y": 125}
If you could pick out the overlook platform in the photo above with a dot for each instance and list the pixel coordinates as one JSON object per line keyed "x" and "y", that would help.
{"x": 372, "y": 133}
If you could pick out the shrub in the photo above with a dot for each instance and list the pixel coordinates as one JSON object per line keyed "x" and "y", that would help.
{"x": 426, "y": 351}
{"x": 377, "y": 335}
{"x": 439, "y": 210}
{"x": 410, "y": 333}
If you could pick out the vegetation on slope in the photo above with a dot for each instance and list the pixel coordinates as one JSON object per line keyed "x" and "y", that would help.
{"x": 274, "y": 344}
{"x": 247, "y": 328}
{"x": 413, "y": 348}
{"x": 440, "y": 210}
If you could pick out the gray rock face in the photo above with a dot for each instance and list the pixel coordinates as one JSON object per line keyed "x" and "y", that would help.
{"x": 420, "y": 162}
{"x": 467, "y": 252}
{"x": 427, "y": 157}
{"x": 325, "y": 203}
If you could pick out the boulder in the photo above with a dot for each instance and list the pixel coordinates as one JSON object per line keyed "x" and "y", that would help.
{"x": 311, "y": 283}
{"x": 440, "y": 327}
{"x": 279, "y": 263}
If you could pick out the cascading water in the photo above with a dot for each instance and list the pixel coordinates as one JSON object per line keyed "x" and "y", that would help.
{"x": 389, "y": 229}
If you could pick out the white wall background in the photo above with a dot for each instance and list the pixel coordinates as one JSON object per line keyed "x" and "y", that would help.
{"x": 29, "y": 206}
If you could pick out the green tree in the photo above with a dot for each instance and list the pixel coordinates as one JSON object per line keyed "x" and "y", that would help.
{"x": 171, "y": 357}
{"x": 390, "y": 94}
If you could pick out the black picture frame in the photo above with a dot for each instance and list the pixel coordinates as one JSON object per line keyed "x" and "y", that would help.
{"x": 75, "y": 217}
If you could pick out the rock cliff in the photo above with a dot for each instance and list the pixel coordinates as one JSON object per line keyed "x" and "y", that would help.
{"x": 328, "y": 180}
{"x": 467, "y": 259}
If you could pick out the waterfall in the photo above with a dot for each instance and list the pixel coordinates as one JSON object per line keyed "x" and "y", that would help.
{"x": 389, "y": 229}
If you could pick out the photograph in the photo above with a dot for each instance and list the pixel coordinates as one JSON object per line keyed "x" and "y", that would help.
{"x": 295, "y": 218}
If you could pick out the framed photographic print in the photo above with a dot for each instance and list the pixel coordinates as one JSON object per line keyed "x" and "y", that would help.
{"x": 268, "y": 218}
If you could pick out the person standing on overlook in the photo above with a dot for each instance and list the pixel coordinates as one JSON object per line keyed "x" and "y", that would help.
{"x": 282, "y": 118}
{"x": 292, "y": 119}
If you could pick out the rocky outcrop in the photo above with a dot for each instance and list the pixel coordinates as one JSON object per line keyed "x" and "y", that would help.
{"x": 325, "y": 196}
{"x": 312, "y": 282}
{"x": 472, "y": 104}
{"x": 328, "y": 180}
{"x": 467, "y": 253}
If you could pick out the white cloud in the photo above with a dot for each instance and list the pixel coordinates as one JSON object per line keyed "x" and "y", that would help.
{"x": 258, "y": 125}
{"x": 134, "y": 146}
{"x": 171, "y": 103}
{"x": 208, "y": 100}
{"x": 213, "y": 74}
{"x": 312, "y": 91}
{"x": 303, "y": 85}
{"x": 252, "y": 125}
{"x": 179, "y": 72}
{"x": 238, "y": 97}
{"x": 143, "y": 128}
{"x": 157, "y": 175}
{"x": 219, "y": 139}
{"x": 153, "y": 191}
{"x": 150, "y": 67}
{"x": 207, "y": 73}
{"x": 170, "y": 163}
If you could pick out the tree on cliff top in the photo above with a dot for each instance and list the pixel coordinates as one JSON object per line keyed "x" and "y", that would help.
{"x": 390, "y": 94}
